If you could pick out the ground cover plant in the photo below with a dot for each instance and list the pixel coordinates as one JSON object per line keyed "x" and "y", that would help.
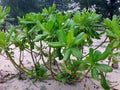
{"x": 64, "y": 36}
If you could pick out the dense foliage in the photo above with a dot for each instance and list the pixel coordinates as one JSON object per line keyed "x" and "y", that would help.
{"x": 64, "y": 36}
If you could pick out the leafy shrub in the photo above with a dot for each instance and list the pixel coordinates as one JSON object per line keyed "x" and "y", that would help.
{"x": 64, "y": 36}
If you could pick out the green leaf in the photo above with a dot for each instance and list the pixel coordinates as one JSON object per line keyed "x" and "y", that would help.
{"x": 116, "y": 43}
{"x": 70, "y": 38}
{"x": 61, "y": 34}
{"x": 94, "y": 73}
{"x": 80, "y": 38}
{"x": 96, "y": 55}
{"x": 32, "y": 29}
{"x": 2, "y": 39}
{"x": 39, "y": 37}
{"x": 41, "y": 26}
{"x": 55, "y": 44}
{"x": 67, "y": 54}
{"x": 83, "y": 65}
{"x": 50, "y": 23}
{"x": 104, "y": 83}
{"x": 91, "y": 55}
{"x": 76, "y": 52}
{"x": 107, "y": 22}
{"x": 77, "y": 16}
{"x": 104, "y": 68}
{"x": 105, "y": 54}
{"x": 110, "y": 33}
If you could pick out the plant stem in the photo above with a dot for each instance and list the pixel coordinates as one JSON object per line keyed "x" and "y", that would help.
{"x": 43, "y": 58}
{"x": 15, "y": 64}
{"x": 97, "y": 47}
{"x": 85, "y": 74}
{"x": 50, "y": 63}
{"x": 20, "y": 64}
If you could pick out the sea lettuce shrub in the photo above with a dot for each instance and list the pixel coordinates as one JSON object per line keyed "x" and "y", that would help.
{"x": 64, "y": 36}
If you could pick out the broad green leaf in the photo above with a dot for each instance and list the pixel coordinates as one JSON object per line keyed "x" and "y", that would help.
{"x": 32, "y": 29}
{"x": 70, "y": 38}
{"x": 105, "y": 54}
{"x": 39, "y": 37}
{"x": 116, "y": 43}
{"x": 83, "y": 65}
{"x": 67, "y": 54}
{"x": 2, "y": 39}
{"x": 76, "y": 17}
{"x": 104, "y": 83}
{"x": 107, "y": 22}
{"x": 55, "y": 44}
{"x": 91, "y": 55}
{"x": 60, "y": 19}
{"x": 76, "y": 52}
{"x": 1, "y": 11}
{"x": 96, "y": 55}
{"x": 104, "y": 68}
{"x": 50, "y": 25}
{"x": 67, "y": 15}
{"x": 61, "y": 34}
{"x": 80, "y": 38}
{"x": 40, "y": 26}
{"x": 66, "y": 23}
{"x": 94, "y": 73}
{"x": 115, "y": 27}
{"x": 110, "y": 33}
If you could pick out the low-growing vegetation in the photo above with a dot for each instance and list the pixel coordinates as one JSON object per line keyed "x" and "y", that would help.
{"x": 64, "y": 36}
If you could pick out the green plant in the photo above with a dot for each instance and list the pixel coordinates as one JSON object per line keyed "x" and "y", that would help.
{"x": 64, "y": 37}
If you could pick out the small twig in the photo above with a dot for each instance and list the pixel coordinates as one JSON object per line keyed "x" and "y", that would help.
{"x": 97, "y": 47}
{"x": 112, "y": 87}
{"x": 85, "y": 74}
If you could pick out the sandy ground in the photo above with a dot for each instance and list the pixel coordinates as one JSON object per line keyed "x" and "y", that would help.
{"x": 7, "y": 69}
